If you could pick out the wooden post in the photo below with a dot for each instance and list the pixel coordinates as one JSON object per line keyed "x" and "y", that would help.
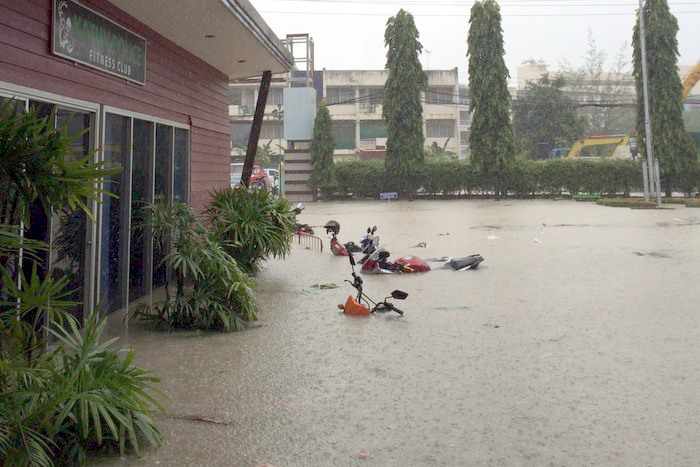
{"x": 255, "y": 128}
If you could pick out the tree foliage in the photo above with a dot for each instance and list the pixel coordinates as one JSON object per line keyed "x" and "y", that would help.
{"x": 403, "y": 110}
{"x": 322, "y": 148}
{"x": 672, "y": 145}
{"x": 544, "y": 118}
{"x": 491, "y": 138}
{"x": 600, "y": 79}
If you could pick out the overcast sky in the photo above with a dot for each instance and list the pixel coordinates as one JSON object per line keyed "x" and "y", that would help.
{"x": 350, "y": 34}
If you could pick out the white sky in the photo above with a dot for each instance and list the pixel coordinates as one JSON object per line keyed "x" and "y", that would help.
{"x": 532, "y": 29}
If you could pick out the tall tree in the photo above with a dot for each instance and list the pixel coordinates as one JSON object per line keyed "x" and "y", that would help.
{"x": 491, "y": 138}
{"x": 673, "y": 146}
{"x": 403, "y": 110}
{"x": 544, "y": 118}
{"x": 322, "y": 148}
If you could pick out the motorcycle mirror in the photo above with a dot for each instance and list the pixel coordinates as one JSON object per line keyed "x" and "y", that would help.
{"x": 399, "y": 295}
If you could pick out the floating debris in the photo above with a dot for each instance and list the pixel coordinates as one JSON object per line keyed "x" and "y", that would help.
{"x": 329, "y": 286}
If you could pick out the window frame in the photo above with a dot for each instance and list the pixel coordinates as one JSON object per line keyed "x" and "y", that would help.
{"x": 14, "y": 91}
{"x": 128, "y": 189}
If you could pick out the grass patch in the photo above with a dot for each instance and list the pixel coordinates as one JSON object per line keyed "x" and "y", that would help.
{"x": 587, "y": 197}
{"x": 675, "y": 200}
{"x": 633, "y": 203}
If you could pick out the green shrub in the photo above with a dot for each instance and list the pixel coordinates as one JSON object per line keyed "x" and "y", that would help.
{"x": 211, "y": 291}
{"x": 522, "y": 178}
{"x": 362, "y": 179}
{"x": 81, "y": 397}
{"x": 253, "y": 225}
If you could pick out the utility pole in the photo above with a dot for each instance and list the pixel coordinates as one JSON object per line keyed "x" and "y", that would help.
{"x": 653, "y": 184}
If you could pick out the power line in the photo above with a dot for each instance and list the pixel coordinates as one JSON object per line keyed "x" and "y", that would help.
{"x": 529, "y": 4}
{"x": 453, "y": 15}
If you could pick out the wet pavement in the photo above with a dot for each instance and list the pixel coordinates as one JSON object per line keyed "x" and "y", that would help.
{"x": 576, "y": 343}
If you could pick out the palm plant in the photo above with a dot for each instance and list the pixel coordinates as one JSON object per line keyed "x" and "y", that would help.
{"x": 252, "y": 224}
{"x": 211, "y": 290}
{"x": 81, "y": 396}
{"x": 58, "y": 405}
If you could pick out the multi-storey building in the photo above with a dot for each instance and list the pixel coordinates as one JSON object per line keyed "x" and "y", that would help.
{"x": 354, "y": 99}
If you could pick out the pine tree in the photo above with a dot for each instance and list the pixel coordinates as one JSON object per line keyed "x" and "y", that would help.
{"x": 403, "y": 110}
{"x": 672, "y": 145}
{"x": 491, "y": 137}
{"x": 322, "y": 148}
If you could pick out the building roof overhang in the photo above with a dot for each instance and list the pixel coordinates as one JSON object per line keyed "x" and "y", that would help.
{"x": 230, "y": 35}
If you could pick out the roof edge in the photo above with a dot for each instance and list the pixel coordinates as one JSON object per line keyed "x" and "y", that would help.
{"x": 244, "y": 11}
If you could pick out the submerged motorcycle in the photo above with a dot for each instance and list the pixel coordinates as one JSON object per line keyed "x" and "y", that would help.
{"x": 376, "y": 259}
{"x": 337, "y": 248}
{"x": 304, "y": 229}
{"x": 363, "y": 305}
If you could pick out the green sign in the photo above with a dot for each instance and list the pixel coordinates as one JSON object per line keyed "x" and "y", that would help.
{"x": 85, "y": 36}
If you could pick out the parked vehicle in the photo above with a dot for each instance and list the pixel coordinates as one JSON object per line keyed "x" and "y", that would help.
{"x": 258, "y": 179}
{"x": 354, "y": 306}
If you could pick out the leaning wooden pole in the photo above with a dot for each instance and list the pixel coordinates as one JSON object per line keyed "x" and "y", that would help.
{"x": 255, "y": 128}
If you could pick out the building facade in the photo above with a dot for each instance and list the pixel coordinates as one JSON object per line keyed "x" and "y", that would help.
{"x": 143, "y": 86}
{"x": 354, "y": 99}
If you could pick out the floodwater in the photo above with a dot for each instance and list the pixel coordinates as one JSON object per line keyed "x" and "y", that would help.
{"x": 576, "y": 343}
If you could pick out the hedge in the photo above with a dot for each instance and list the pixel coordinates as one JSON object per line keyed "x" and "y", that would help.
{"x": 523, "y": 178}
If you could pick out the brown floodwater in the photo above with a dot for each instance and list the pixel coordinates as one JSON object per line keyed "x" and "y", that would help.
{"x": 575, "y": 343}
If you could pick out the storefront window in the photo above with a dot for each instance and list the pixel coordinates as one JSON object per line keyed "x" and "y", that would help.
{"x": 163, "y": 190}
{"x": 141, "y": 197}
{"x": 155, "y": 162}
{"x": 181, "y": 173}
{"x": 117, "y": 150}
{"x": 69, "y": 227}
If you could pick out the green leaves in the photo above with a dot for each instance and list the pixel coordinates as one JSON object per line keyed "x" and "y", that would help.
{"x": 491, "y": 138}
{"x": 212, "y": 291}
{"x": 253, "y": 224}
{"x": 36, "y": 165}
{"x": 544, "y": 114}
{"x": 81, "y": 396}
{"x": 402, "y": 106}
{"x": 322, "y": 149}
{"x": 674, "y": 148}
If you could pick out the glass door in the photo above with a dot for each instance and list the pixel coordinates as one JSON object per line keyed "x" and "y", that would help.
{"x": 114, "y": 229}
{"x": 69, "y": 228}
{"x": 66, "y": 230}
{"x": 140, "y": 265}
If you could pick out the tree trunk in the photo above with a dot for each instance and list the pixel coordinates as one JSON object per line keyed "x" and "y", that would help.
{"x": 255, "y": 128}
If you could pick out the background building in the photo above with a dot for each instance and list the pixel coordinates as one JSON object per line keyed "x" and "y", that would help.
{"x": 355, "y": 100}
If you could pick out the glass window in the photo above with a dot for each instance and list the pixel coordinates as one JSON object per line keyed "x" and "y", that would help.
{"x": 271, "y": 130}
{"x": 440, "y": 128}
{"x": 340, "y": 95}
{"x": 181, "y": 183}
{"x": 236, "y": 96}
{"x": 17, "y": 105}
{"x": 240, "y": 132}
{"x": 344, "y": 134}
{"x": 276, "y": 96}
{"x": 371, "y": 95}
{"x": 162, "y": 192}
{"x": 115, "y": 209}
{"x": 440, "y": 95}
{"x": 141, "y": 196}
{"x": 69, "y": 227}
{"x": 372, "y": 129}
